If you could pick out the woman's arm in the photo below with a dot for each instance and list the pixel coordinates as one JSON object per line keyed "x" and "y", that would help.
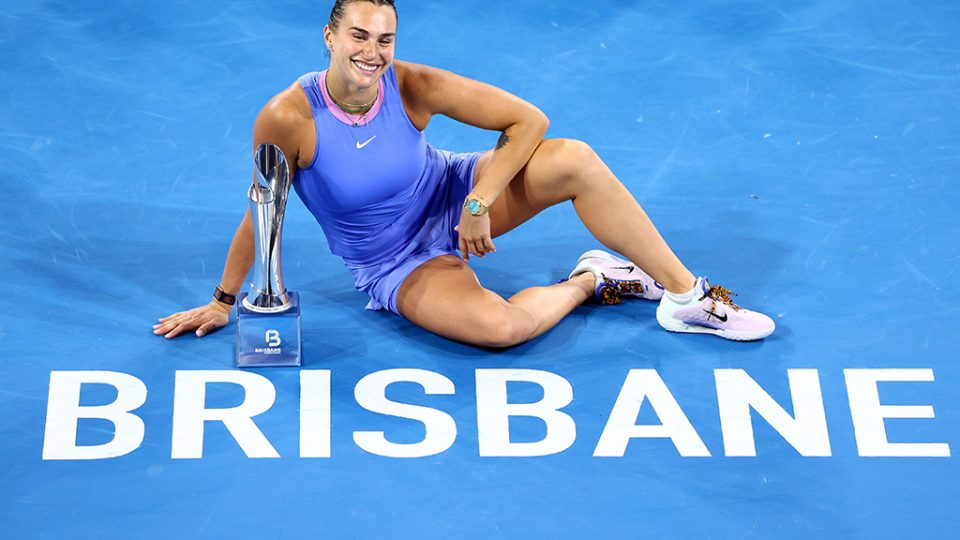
{"x": 280, "y": 122}
{"x": 428, "y": 91}
{"x": 286, "y": 120}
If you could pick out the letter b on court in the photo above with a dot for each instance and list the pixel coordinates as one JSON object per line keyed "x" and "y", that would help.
{"x": 64, "y": 412}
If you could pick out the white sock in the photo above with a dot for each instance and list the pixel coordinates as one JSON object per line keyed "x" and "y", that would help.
{"x": 683, "y": 298}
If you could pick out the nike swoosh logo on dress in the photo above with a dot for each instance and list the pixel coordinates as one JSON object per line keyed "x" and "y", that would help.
{"x": 368, "y": 141}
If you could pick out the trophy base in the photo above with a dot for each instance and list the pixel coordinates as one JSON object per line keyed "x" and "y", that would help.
{"x": 268, "y": 339}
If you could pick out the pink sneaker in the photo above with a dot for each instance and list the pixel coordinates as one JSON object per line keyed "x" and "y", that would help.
{"x": 617, "y": 278}
{"x": 709, "y": 310}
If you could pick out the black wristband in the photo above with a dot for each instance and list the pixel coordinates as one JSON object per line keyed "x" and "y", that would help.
{"x": 224, "y": 298}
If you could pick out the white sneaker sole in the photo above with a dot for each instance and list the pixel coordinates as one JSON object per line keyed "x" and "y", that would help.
{"x": 673, "y": 325}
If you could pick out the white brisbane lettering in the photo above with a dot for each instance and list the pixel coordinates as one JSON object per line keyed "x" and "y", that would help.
{"x": 740, "y": 401}
{"x": 868, "y": 414}
{"x": 190, "y": 412}
{"x": 646, "y": 384}
{"x": 64, "y": 412}
{"x": 315, "y": 413}
{"x": 494, "y": 412}
{"x": 272, "y": 339}
{"x": 738, "y": 393}
{"x": 441, "y": 430}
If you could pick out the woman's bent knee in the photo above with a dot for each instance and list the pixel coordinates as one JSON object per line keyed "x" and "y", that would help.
{"x": 513, "y": 328}
{"x": 578, "y": 154}
{"x": 575, "y": 162}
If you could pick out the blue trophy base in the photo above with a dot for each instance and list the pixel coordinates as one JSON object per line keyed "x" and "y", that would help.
{"x": 268, "y": 339}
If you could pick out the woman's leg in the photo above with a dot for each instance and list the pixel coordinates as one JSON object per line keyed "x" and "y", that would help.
{"x": 444, "y": 297}
{"x": 564, "y": 169}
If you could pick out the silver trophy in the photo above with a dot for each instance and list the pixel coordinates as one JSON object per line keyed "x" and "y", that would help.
{"x": 268, "y": 200}
{"x": 268, "y": 316}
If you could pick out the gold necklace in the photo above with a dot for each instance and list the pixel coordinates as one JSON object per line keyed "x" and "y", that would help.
{"x": 361, "y": 110}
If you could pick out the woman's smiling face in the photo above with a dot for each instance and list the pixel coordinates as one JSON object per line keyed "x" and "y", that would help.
{"x": 362, "y": 45}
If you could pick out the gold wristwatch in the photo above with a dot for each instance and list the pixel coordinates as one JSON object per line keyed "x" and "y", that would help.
{"x": 475, "y": 206}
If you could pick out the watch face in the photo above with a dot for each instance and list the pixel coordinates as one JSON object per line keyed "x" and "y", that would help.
{"x": 473, "y": 206}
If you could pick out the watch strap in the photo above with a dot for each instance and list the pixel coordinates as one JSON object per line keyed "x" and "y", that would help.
{"x": 224, "y": 297}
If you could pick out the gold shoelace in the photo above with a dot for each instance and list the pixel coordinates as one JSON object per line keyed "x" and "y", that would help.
{"x": 612, "y": 290}
{"x": 722, "y": 294}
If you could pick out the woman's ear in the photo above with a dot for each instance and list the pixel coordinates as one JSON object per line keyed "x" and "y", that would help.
{"x": 328, "y": 37}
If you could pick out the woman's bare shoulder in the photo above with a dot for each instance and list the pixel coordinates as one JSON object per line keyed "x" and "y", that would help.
{"x": 288, "y": 109}
{"x": 414, "y": 76}
{"x": 416, "y": 81}
{"x": 287, "y": 120}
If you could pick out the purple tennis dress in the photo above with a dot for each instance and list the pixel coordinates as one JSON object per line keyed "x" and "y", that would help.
{"x": 386, "y": 200}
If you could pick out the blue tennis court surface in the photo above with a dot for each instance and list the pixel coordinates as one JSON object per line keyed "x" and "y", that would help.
{"x": 804, "y": 154}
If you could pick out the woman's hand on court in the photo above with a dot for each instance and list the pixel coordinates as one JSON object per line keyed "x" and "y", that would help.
{"x": 202, "y": 320}
{"x": 475, "y": 238}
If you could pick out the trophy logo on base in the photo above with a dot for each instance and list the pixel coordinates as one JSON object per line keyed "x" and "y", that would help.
{"x": 268, "y": 316}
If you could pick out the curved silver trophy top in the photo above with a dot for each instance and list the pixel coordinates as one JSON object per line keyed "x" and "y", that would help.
{"x": 268, "y": 201}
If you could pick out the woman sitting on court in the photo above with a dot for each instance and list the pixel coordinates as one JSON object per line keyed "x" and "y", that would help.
{"x": 396, "y": 209}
